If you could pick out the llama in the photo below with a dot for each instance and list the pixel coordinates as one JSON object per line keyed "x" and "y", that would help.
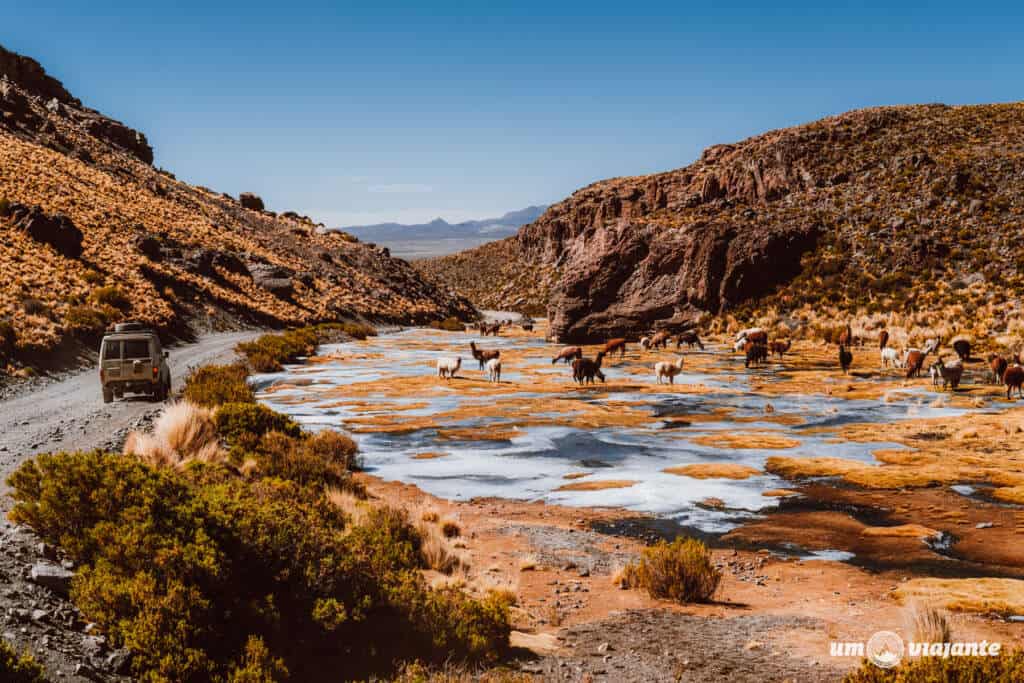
{"x": 645, "y": 343}
{"x": 883, "y": 339}
{"x": 618, "y": 344}
{"x": 665, "y": 369}
{"x": 1014, "y": 378}
{"x": 585, "y": 369}
{"x": 948, "y": 374}
{"x": 483, "y": 356}
{"x": 780, "y": 347}
{"x": 690, "y": 339}
{"x": 660, "y": 340}
{"x": 494, "y": 370}
{"x": 997, "y": 365}
{"x": 890, "y": 358}
{"x": 447, "y": 367}
{"x": 846, "y": 336}
{"x": 845, "y": 358}
{"x": 755, "y": 353}
{"x": 568, "y": 354}
{"x": 963, "y": 349}
{"x": 751, "y": 334}
{"x": 913, "y": 359}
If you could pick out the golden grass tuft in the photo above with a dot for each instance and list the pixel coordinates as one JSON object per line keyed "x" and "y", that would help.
{"x": 928, "y": 623}
{"x": 779, "y": 493}
{"x": 797, "y": 468}
{"x": 429, "y": 455}
{"x": 746, "y": 441}
{"x": 681, "y": 571}
{"x": 183, "y": 433}
{"x": 597, "y": 485}
{"x": 900, "y": 531}
{"x": 723, "y": 470}
{"x": 1003, "y": 596}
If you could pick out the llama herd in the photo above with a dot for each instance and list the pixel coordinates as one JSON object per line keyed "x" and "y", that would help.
{"x": 753, "y": 343}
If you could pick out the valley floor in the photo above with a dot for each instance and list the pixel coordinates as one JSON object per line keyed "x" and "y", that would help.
{"x": 556, "y": 487}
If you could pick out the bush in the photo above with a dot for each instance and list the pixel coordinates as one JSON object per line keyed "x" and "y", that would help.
{"x": 87, "y": 319}
{"x": 246, "y": 422}
{"x": 1008, "y": 667}
{"x": 451, "y": 324}
{"x": 268, "y": 352}
{"x": 358, "y": 330}
{"x": 15, "y": 668}
{"x": 299, "y": 460}
{"x": 93, "y": 277}
{"x": 681, "y": 571}
{"x": 213, "y": 385}
{"x": 205, "y": 576}
{"x": 110, "y": 296}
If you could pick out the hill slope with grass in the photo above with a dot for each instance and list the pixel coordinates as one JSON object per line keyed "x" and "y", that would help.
{"x": 91, "y": 232}
{"x": 911, "y": 210}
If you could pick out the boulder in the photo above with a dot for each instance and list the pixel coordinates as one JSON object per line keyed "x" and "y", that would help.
{"x": 57, "y": 230}
{"x": 274, "y": 278}
{"x": 248, "y": 200}
{"x": 52, "y": 576}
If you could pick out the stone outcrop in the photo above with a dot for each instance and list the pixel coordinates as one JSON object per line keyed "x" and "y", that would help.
{"x": 248, "y": 200}
{"x": 57, "y": 230}
{"x": 860, "y": 211}
{"x": 36, "y": 107}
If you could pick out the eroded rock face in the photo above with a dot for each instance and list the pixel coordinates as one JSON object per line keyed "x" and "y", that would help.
{"x": 248, "y": 200}
{"x": 622, "y": 280}
{"x": 36, "y": 107}
{"x": 57, "y": 230}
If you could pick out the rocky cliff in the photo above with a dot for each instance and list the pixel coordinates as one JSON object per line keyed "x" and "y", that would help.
{"x": 863, "y": 210}
{"x": 90, "y": 232}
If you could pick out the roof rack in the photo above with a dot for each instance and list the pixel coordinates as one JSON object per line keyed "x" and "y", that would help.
{"x": 131, "y": 326}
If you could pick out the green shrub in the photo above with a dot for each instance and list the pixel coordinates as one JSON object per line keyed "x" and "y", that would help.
{"x": 681, "y": 571}
{"x": 15, "y": 668}
{"x": 88, "y": 319}
{"x": 268, "y": 352}
{"x": 306, "y": 461}
{"x": 213, "y": 385}
{"x": 206, "y": 576}
{"x": 1008, "y": 667}
{"x": 451, "y": 324}
{"x": 93, "y": 277}
{"x": 241, "y": 421}
{"x": 110, "y": 296}
{"x": 358, "y": 330}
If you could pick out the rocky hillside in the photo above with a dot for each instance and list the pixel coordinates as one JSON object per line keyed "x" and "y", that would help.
{"x": 90, "y": 232}
{"x": 886, "y": 209}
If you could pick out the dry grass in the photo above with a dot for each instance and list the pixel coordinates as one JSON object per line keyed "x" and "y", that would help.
{"x": 901, "y": 531}
{"x": 779, "y": 493}
{"x": 928, "y": 623}
{"x": 714, "y": 471}
{"x": 183, "y": 433}
{"x": 597, "y": 485}
{"x": 681, "y": 571}
{"x": 1003, "y": 596}
{"x": 354, "y": 507}
{"x": 746, "y": 441}
{"x": 529, "y": 563}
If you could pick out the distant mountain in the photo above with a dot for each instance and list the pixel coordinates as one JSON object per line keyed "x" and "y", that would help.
{"x": 440, "y": 229}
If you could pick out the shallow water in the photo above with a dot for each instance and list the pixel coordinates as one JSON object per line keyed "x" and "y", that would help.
{"x": 521, "y": 438}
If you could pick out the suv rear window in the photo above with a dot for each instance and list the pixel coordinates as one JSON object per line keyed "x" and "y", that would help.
{"x": 112, "y": 350}
{"x": 136, "y": 348}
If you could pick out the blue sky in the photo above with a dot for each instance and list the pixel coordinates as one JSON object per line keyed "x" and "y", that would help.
{"x": 369, "y": 112}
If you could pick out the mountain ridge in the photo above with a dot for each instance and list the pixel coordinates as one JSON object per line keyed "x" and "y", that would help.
{"x": 503, "y": 225}
{"x": 91, "y": 232}
{"x": 875, "y": 211}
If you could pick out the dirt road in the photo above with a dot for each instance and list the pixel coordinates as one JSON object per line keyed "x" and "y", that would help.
{"x": 70, "y": 414}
